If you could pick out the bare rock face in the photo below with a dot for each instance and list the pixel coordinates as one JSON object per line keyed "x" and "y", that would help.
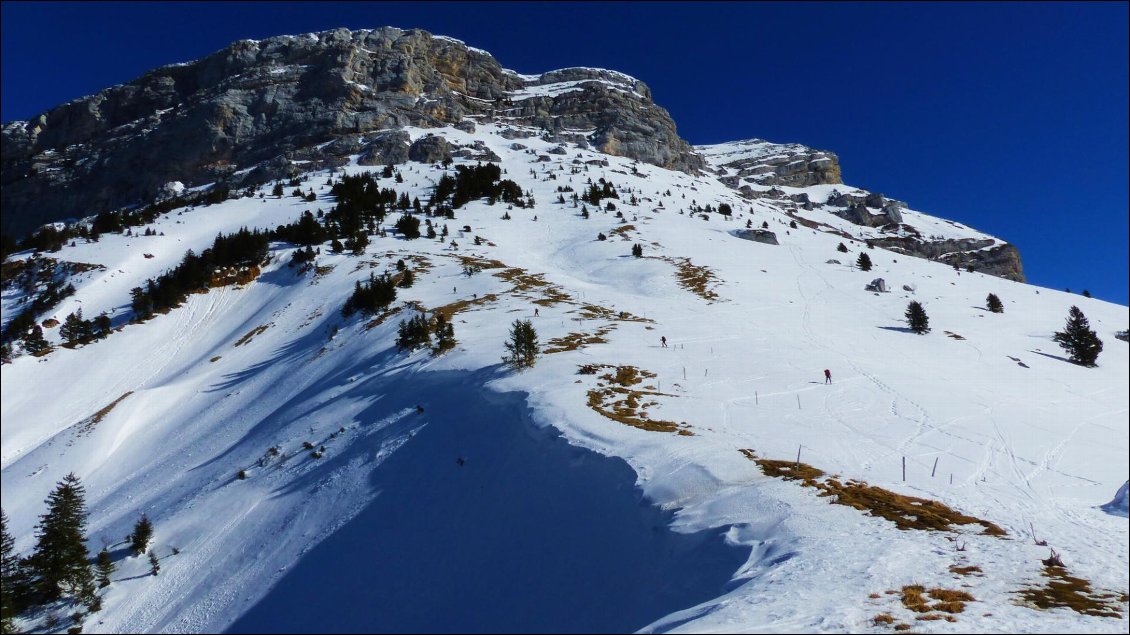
{"x": 985, "y": 255}
{"x": 429, "y": 149}
{"x": 256, "y": 101}
{"x": 760, "y": 162}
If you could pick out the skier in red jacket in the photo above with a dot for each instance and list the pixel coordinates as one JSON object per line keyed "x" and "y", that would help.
{"x": 827, "y": 376}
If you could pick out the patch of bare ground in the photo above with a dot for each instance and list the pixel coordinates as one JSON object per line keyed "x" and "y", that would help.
{"x": 906, "y": 512}
{"x": 449, "y": 310}
{"x": 622, "y": 231}
{"x": 574, "y": 341}
{"x": 382, "y": 318}
{"x": 597, "y": 312}
{"x": 697, "y": 279}
{"x": 1062, "y": 590}
{"x": 87, "y": 425}
{"x": 233, "y": 275}
{"x": 954, "y": 335}
{"x": 531, "y": 286}
{"x": 248, "y": 336}
{"x": 617, "y": 397}
{"x": 971, "y": 570}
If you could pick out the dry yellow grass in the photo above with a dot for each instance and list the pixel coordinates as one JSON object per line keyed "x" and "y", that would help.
{"x": 617, "y": 398}
{"x": 1067, "y": 591}
{"x": 906, "y": 512}
{"x": 381, "y": 319}
{"x": 248, "y": 336}
{"x": 597, "y": 312}
{"x": 697, "y": 279}
{"x": 449, "y": 310}
{"x": 88, "y": 424}
{"x": 574, "y": 341}
{"x": 622, "y": 231}
{"x": 971, "y": 570}
{"x": 883, "y": 619}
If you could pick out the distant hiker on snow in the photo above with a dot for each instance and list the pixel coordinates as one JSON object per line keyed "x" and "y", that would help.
{"x": 535, "y": 312}
{"x": 827, "y": 376}
{"x": 663, "y": 341}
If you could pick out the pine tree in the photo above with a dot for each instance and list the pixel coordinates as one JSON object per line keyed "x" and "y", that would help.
{"x": 445, "y": 334}
{"x": 407, "y": 279}
{"x": 842, "y": 248}
{"x": 637, "y": 250}
{"x": 994, "y": 303}
{"x": 154, "y": 563}
{"x": 142, "y": 534}
{"x": 863, "y": 262}
{"x": 1078, "y": 339}
{"x": 60, "y": 559}
{"x": 105, "y": 567}
{"x": 9, "y": 573}
{"x": 34, "y": 342}
{"x": 523, "y": 345}
{"x": 916, "y": 318}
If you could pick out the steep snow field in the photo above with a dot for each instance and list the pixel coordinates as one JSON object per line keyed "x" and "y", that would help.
{"x": 542, "y": 525}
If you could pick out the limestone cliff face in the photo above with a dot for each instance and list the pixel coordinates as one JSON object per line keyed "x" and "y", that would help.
{"x": 256, "y": 103}
{"x": 759, "y": 169}
{"x": 764, "y": 163}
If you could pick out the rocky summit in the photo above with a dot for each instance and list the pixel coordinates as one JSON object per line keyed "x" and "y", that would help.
{"x": 246, "y": 114}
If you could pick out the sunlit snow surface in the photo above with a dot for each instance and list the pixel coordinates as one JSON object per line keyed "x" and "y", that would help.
{"x": 415, "y": 541}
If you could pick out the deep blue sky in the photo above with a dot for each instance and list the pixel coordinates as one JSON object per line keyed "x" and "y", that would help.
{"x": 1011, "y": 117}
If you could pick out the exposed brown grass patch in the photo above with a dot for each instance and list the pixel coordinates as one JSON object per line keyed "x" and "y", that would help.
{"x": 883, "y": 619}
{"x": 622, "y": 231}
{"x": 1067, "y": 591}
{"x": 531, "y": 286}
{"x": 597, "y": 312}
{"x": 903, "y": 627}
{"x": 906, "y": 512}
{"x": 916, "y": 598}
{"x": 574, "y": 341}
{"x": 248, "y": 336}
{"x": 50, "y": 323}
{"x": 87, "y": 425}
{"x": 971, "y": 570}
{"x": 449, "y": 310}
{"x": 617, "y": 397}
{"x": 697, "y": 279}
{"x": 953, "y": 335}
{"x": 381, "y": 319}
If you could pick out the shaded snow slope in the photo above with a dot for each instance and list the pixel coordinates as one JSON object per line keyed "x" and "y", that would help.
{"x": 1021, "y": 437}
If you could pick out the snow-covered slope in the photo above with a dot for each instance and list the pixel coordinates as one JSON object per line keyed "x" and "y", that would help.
{"x": 445, "y": 498}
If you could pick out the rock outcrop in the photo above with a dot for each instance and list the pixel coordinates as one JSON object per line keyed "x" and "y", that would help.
{"x": 315, "y": 97}
{"x": 760, "y": 162}
{"x": 985, "y": 255}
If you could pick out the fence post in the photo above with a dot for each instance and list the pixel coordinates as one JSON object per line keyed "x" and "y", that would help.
{"x": 935, "y": 467}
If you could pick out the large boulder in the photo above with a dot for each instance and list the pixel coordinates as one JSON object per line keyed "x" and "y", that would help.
{"x": 386, "y": 148}
{"x": 756, "y": 235}
{"x": 429, "y": 149}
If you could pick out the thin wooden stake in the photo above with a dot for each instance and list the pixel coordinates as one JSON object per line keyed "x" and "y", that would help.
{"x": 756, "y": 399}
{"x": 684, "y": 373}
{"x": 904, "y": 468}
{"x": 798, "y": 456}
{"x": 951, "y": 478}
{"x": 935, "y": 467}
{"x": 798, "y": 402}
